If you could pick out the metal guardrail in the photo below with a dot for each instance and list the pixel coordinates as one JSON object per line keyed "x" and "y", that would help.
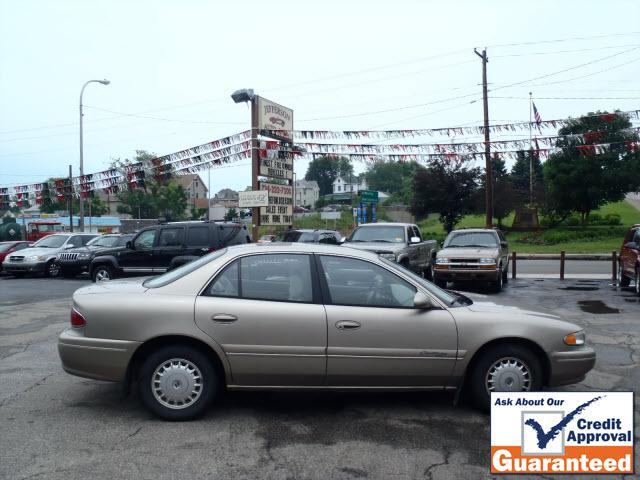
{"x": 563, "y": 257}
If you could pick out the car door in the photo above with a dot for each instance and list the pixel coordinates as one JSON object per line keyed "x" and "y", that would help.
{"x": 139, "y": 259}
{"x": 198, "y": 242}
{"x": 627, "y": 255}
{"x": 266, "y": 313}
{"x": 170, "y": 244}
{"x": 375, "y": 335}
{"x": 422, "y": 251}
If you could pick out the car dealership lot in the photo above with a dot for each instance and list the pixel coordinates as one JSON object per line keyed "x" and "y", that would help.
{"x": 58, "y": 426}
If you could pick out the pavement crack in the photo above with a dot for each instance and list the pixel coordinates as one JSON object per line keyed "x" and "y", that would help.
{"x": 134, "y": 433}
{"x": 16, "y": 353}
{"x": 28, "y": 389}
{"x": 428, "y": 473}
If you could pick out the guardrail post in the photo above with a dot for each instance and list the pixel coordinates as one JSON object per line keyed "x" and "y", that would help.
{"x": 614, "y": 269}
{"x": 513, "y": 265}
{"x": 562, "y": 265}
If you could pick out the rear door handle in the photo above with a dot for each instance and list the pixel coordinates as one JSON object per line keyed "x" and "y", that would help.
{"x": 347, "y": 325}
{"x": 224, "y": 318}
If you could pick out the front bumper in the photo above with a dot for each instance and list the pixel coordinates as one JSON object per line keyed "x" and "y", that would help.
{"x": 74, "y": 265}
{"x": 97, "y": 358}
{"x": 24, "y": 267}
{"x": 466, "y": 274}
{"x": 570, "y": 366}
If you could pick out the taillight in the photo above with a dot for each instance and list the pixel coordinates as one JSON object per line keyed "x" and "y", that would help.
{"x": 212, "y": 249}
{"x": 77, "y": 320}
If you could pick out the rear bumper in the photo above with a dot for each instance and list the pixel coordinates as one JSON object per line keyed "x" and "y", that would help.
{"x": 466, "y": 275}
{"x": 570, "y": 366}
{"x": 97, "y": 358}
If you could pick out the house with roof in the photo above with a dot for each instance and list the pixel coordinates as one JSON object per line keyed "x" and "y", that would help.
{"x": 196, "y": 190}
{"x": 349, "y": 184}
{"x": 307, "y": 193}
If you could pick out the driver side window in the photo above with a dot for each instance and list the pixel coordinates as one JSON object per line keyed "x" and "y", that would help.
{"x": 360, "y": 283}
{"x": 145, "y": 240}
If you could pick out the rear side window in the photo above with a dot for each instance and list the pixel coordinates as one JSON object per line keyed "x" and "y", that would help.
{"x": 86, "y": 239}
{"x": 198, "y": 236}
{"x": 227, "y": 283}
{"x": 76, "y": 241}
{"x": 230, "y": 235}
{"x": 278, "y": 277}
{"x": 171, "y": 237}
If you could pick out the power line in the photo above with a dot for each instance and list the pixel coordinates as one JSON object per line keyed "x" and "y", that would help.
{"x": 568, "y": 39}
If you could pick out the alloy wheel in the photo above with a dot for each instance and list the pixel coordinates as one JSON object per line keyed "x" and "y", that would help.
{"x": 102, "y": 275}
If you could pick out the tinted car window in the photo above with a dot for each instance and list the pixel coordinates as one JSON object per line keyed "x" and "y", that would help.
{"x": 171, "y": 237}
{"x": 378, "y": 234}
{"x": 297, "y": 236}
{"x": 328, "y": 238}
{"x": 198, "y": 236}
{"x": 145, "y": 240}
{"x": 51, "y": 241}
{"x": 232, "y": 235}
{"x": 86, "y": 239}
{"x": 187, "y": 268}
{"x": 226, "y": 284}
{"x": 359, "y": 283}
{"x": 76, "y": 241}
{"x": 279, "y": 277}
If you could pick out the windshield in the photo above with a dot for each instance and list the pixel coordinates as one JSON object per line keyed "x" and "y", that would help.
{"x": 48, "y": 227}
{"x": 295, "y": 236}
{"x": 105, "y": 241}
{"x": 51, "y": 241}
{"x": 378, "y": 234}
{"x": 4, "y": 247}
{"x": 187, "y": 268}
{"x": 443, "y": 295}
{"x": 472, "y": 239}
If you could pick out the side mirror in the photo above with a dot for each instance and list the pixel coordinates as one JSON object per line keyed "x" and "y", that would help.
{"x": 504, "y": 244}
{"x": 68, "y": 246}
{"x": 129, "y": 245}
{"x": 414, "y": 240}
{"x": 343, "y": 239}
{"x": 631, "y": 245}
{"x": 422, "y": 301}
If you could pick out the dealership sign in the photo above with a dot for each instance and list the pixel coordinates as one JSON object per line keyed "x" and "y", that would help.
{"x": 279, "y": 211}
{"x": 562, "y": 432}
{"x": 255, "y": 198}
{"x": 272, "y": 116}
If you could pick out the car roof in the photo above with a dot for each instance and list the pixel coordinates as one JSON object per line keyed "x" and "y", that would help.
{"x": 474, "y": 230}
{"x": 387, "y": 224}
{"x": 296, "y": 247}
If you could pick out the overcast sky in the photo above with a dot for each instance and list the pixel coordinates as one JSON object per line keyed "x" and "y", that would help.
{"x": 173, "y": 64}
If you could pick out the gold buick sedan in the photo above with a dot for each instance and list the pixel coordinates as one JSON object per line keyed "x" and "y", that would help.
{"x": 308, "y": 316}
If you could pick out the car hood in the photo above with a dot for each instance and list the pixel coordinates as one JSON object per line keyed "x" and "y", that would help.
{"x": 474, "y": 252}
{"x": 28, "y": 252}
{"x": 506, "y": 308}
{"x": 94, "y": 249}
{"x": 113, "y": 286}
{"x": 378, "y": 247}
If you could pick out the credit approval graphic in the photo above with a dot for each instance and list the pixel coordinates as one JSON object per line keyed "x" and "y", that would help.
{"x": 562, "y": 432}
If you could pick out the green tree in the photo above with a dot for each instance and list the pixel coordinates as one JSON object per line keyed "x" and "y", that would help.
{"x": 504, "y": 195}
{"x": 520, "y": 173}
{"x": 325, "y": 170}
{"x": 98, "y": 207}
{"x": 231, "y": 215}
{"x": 448, "y": 188}
{"x": 581, "y": 179}
{"x": 169, "y": 200}
{"x": 395, "y": 178}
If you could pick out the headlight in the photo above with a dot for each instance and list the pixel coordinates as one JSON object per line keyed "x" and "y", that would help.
{"x": 82, "y": 256}
{"x": 388, "y": 256}
{"x": 442, "y": 260}
{"x": 575, "y": 338}
{"x": 486, "y": 261}
{"x": 36, "y": 258}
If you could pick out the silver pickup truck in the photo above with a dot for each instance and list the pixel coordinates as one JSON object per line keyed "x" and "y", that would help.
{"x": 398, "y": 242}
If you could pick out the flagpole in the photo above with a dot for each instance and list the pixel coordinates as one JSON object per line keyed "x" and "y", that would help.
{"x": 530, "y": 152}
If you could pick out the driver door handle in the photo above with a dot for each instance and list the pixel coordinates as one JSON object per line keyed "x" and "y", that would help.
{"x": 224, "y": 318}
{"x": 347, "y": 325}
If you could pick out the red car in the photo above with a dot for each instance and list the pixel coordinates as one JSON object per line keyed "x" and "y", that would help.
{"x": 629, "y": 262}
{"x": 9, "y": 247}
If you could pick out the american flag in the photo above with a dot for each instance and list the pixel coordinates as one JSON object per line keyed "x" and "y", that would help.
{"x": 536, "y": 115}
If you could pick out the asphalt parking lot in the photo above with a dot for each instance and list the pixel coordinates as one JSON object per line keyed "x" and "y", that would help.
{"x": 56, "y": 426}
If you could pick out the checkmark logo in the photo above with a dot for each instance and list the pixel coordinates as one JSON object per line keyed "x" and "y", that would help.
{"x": 545, "y": 437}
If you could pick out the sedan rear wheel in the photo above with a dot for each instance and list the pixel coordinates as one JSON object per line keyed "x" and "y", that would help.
{"x": 505, "y": 368}
{"x": 177, "y": 383}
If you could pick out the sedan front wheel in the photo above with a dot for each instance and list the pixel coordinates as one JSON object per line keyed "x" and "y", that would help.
{"x": 178, "y": 383}
{"x": 504, "y": 368}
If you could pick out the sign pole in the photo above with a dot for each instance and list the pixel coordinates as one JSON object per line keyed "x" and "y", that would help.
{"x": 255, "y": 167}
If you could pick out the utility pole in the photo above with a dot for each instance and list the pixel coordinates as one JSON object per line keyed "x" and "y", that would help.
{"x": 70, "y": 197}
{"x": 487, "y": 148}
{"x": 530, "y": 152}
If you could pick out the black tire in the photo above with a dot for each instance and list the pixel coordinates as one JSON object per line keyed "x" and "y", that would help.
{"x": 623, "y": 280}
{"x": 497, "y": 285}
{"x": 178, "y": 361}
{"x": 636, "y": 282}
{"x": 52, "y": 269}
{"x": 102, "y": 273}
{"x": 505, "y": 275}
{"x": 440, "y": 283}
{"x": 428, "y": 271}
{"x": 477, "y": 379}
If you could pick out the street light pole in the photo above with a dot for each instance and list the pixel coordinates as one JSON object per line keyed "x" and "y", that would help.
{"x": 81, "y": 200}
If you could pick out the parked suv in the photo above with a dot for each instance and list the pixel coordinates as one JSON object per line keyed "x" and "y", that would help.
{"x": 77, "y": 260}
{"x": 473, "y": 255}
{"x": 163, "y": 247}
{"x": 629, "y": 262}
{"x": 41, "y": 257}
{"x": 305, "y": 235}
